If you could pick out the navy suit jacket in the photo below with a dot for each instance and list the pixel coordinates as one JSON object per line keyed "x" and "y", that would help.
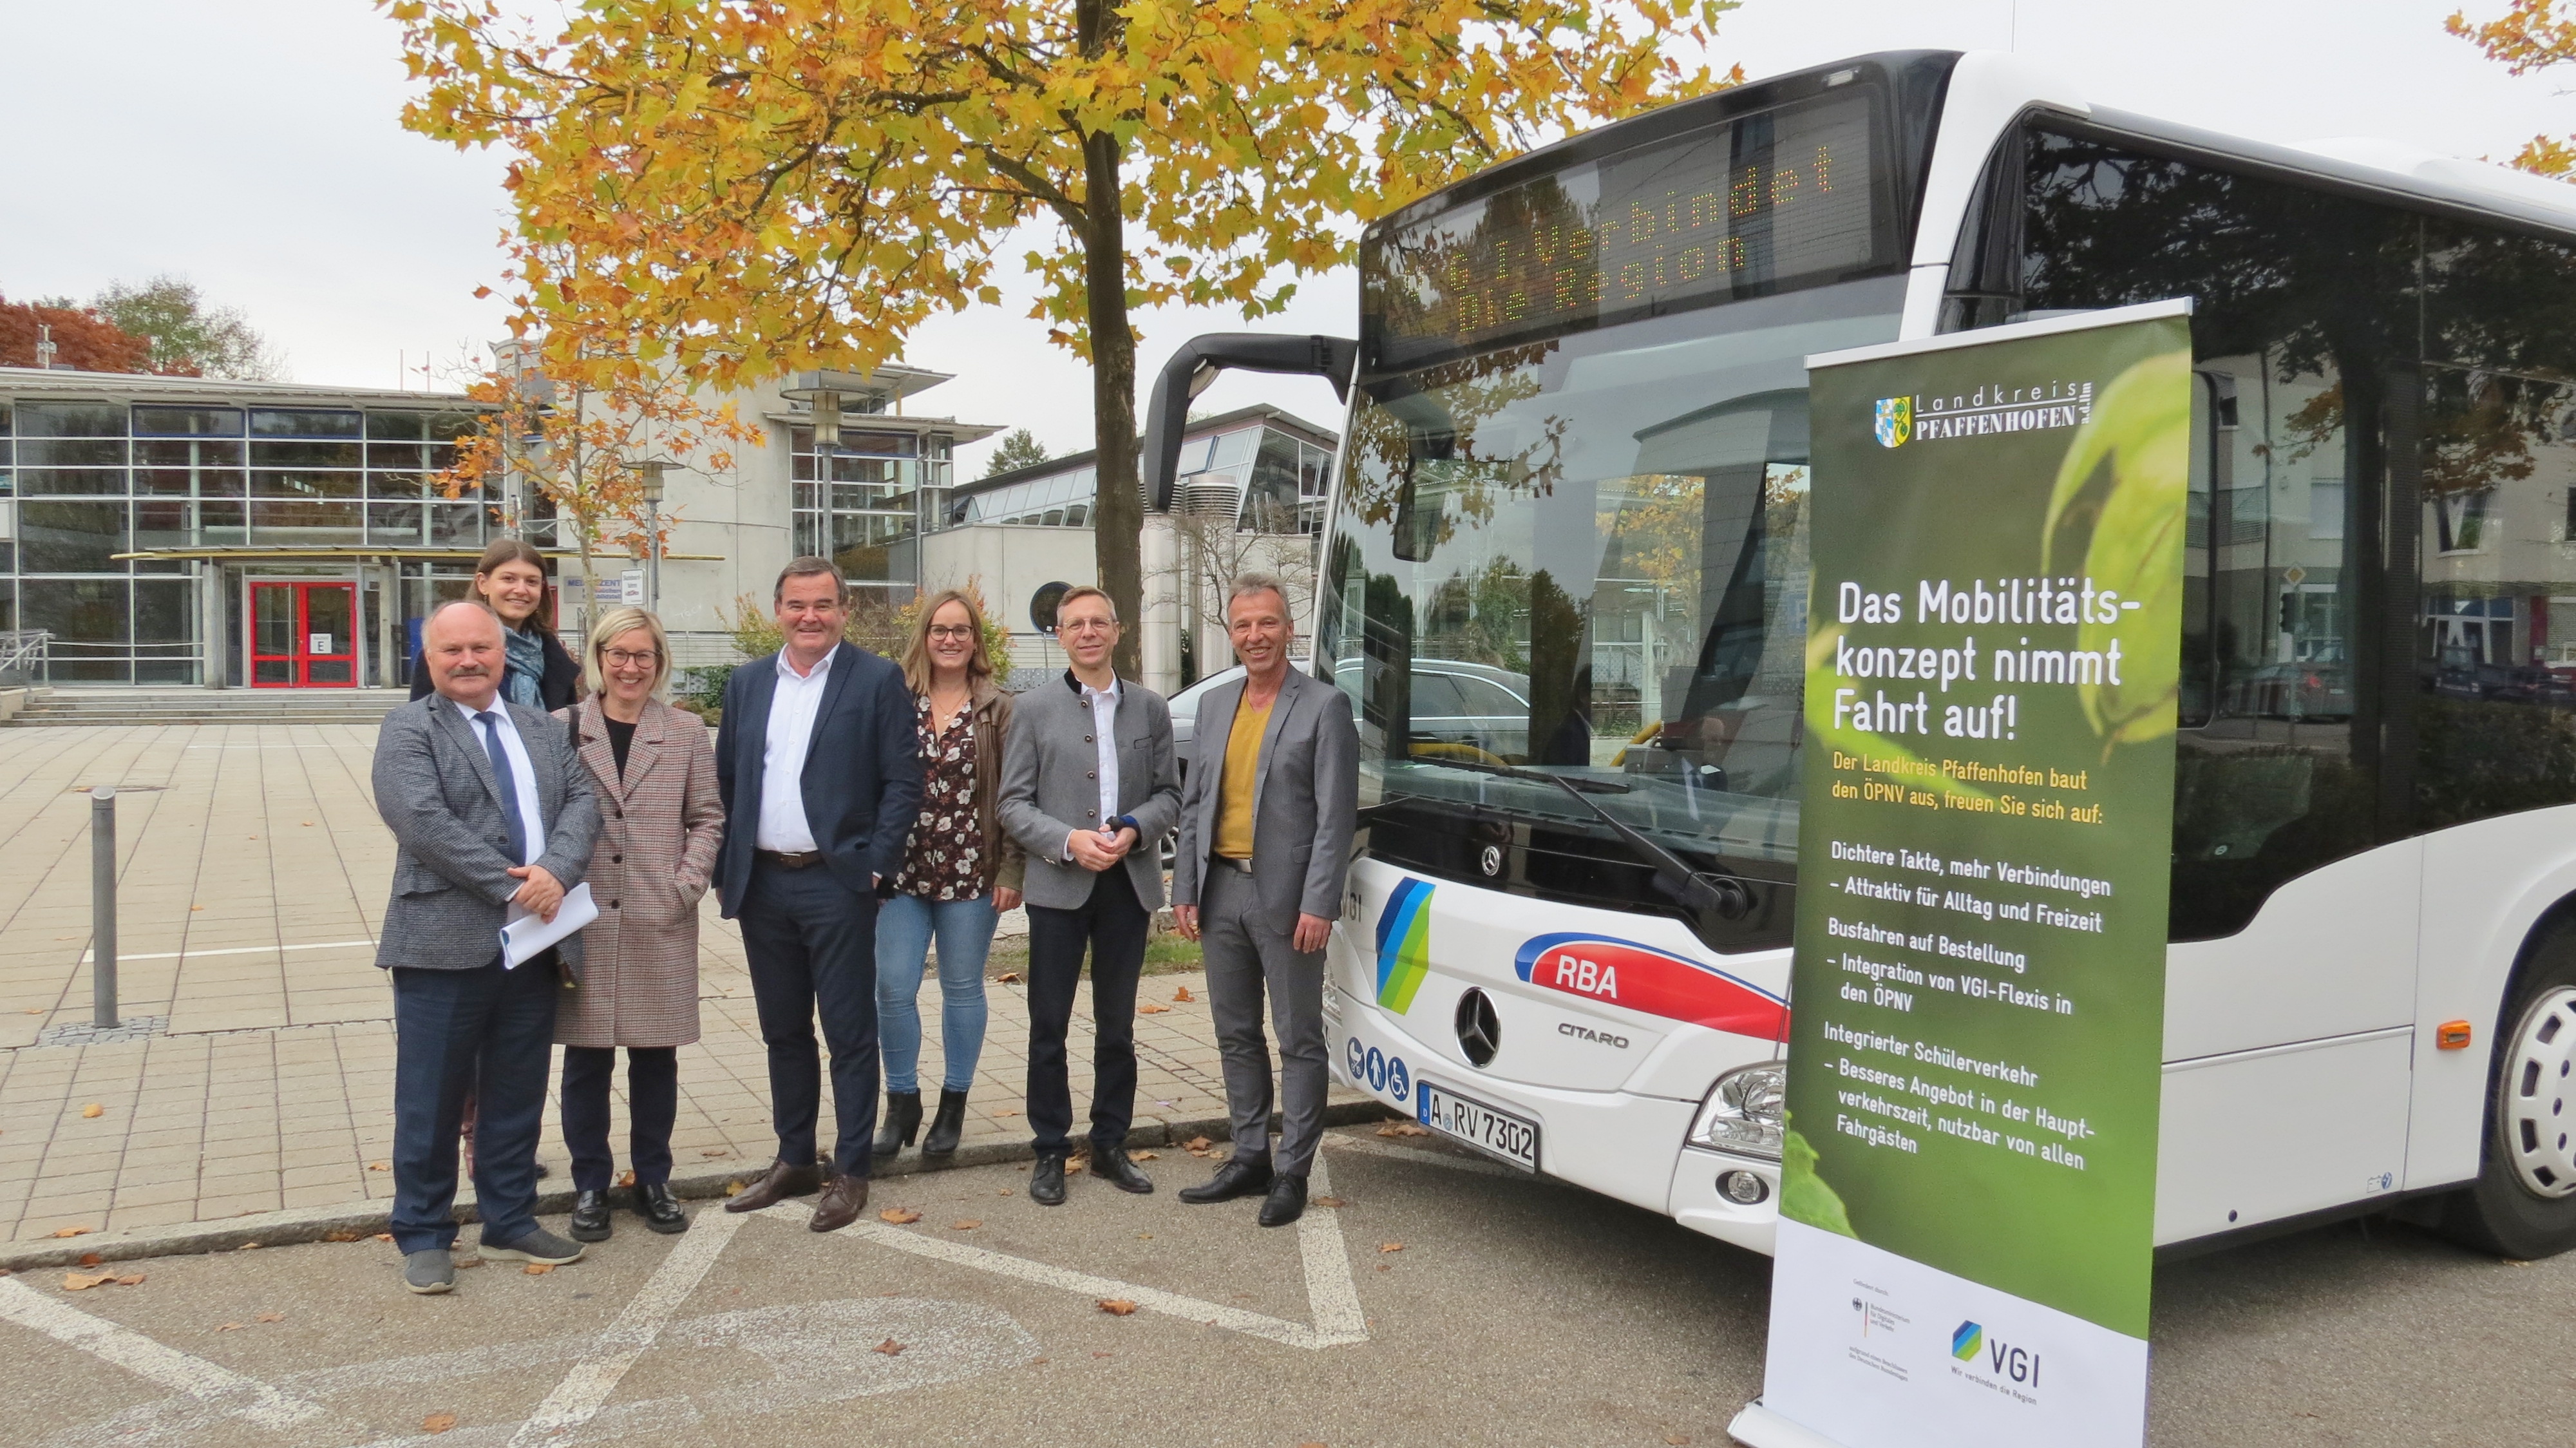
{"x": 862, "y": 780}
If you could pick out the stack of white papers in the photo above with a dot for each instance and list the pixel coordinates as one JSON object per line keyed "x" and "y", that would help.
{"x": 527, "y": 937}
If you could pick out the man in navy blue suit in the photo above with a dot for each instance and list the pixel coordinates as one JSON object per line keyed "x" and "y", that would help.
{"x": 821, "y": 780}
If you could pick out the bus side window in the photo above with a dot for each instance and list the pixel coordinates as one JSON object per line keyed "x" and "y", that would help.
{"x": 2304, "y": 311}
{"x": 2495, "y": 648}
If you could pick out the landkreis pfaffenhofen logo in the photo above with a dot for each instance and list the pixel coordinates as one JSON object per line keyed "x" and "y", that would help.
{"x": 1984, "y": 412}
{"x": 1895, "y": 420}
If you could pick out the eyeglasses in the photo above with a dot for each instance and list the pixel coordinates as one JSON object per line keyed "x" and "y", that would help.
{"x": 1086, "y": 625}
{"x": 620, "y": 658}
{"x": 943, "y": 631}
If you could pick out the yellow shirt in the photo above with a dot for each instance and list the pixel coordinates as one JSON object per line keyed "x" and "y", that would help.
{"x": 1234, "y": 787}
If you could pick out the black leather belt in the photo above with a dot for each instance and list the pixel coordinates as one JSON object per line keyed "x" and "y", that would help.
{"x": 790, "y": 859}
{"x": 1228, "y": 862}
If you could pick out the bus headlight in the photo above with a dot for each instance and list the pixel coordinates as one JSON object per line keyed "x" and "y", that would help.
{"x": 1744, "y": 1112}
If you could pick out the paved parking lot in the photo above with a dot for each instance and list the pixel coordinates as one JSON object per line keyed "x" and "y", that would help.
{"x": 1444, "y": 1302}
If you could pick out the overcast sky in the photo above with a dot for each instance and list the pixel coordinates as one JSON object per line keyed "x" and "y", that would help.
{"x": 255, "y": 149}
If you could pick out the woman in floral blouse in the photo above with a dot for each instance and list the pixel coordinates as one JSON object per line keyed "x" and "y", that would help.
{"x": 960, "y": 871}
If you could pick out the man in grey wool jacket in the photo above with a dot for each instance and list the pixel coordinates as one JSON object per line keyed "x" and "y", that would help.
{"x": 491, "y": 814}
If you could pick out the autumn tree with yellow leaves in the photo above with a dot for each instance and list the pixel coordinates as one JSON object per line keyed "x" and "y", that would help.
{"x": 767, "y": 185}
{"x": 2532, "y": 35}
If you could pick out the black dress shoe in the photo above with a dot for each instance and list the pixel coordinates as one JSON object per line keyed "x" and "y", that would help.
{"x": 1046, "y": 1181}
{"x": 1286, "y": 1202}
{"x": 947, "y": 1126}
{"x": 660, "y": 1210}
{"x": 902, "y": 1122}
{"x": 589, "y": 1217}
{"x": 1245, "y": 1176}
{"x": 1112, "y": 1165}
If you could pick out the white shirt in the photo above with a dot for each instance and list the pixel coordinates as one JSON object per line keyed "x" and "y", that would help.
{"x": 523, "y": 775}
{"x": 1104, "y": 733}
{"x": 792, "y": 707}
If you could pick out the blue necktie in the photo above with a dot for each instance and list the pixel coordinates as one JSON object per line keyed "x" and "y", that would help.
{"x": 507, "y": 782}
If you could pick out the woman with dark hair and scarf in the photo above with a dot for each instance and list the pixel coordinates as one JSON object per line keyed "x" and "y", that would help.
{"x": 510, "y": 579}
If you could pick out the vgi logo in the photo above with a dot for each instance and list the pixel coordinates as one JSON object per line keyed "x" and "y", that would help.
{"x": 1895, "y": 420}
{"x": 2003, "y": 1360}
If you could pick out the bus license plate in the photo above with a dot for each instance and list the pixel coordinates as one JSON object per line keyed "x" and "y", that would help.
{"x": 1497, "y": 1133}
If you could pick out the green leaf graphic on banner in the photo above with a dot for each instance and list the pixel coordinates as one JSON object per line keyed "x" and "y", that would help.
{"x": 1804, "y": 1197}
{"x": 2120, "y": 498}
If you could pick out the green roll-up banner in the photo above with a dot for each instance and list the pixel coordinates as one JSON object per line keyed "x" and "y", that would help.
{"x": 1968, "y": 1197}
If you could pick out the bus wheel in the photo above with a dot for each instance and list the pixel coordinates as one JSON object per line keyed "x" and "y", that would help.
{"x": 2523, "y": 1204}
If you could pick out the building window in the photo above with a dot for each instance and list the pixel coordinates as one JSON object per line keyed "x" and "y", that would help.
{"x": 866, "y": 503}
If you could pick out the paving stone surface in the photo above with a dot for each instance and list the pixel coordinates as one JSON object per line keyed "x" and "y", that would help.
{"x": 252, "y": 879}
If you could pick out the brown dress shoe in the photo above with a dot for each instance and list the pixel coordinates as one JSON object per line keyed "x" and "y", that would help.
{"x": 783, "y": 1181}
{"x": 842, "y": 1202}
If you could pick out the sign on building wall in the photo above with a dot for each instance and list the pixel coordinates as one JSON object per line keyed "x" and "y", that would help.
{"x": 1968, "y": 1197}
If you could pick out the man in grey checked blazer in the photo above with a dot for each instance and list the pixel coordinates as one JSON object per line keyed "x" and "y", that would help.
{"x": 490, "y": 809}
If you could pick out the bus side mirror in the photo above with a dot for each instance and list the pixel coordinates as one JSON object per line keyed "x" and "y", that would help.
{"x": 1196, "y": 365}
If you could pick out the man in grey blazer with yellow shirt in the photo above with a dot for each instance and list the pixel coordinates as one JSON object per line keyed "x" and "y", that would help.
{"x": 1266, "y": 821}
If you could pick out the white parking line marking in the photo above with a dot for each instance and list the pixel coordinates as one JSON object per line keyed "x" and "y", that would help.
{"x": 578, "y": 1397}
{"x": 1330, "y": 1293}
{"x": 122, "y": 957}
{"x": 1366, "y": 1147}
{"x": 218, "y": 1387}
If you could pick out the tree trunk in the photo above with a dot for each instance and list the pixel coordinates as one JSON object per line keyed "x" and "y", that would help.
{"x": 1117, "y": 510}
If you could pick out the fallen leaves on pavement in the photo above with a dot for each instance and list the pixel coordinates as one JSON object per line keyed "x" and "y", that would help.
{"x": 1183, "y": 995}
{"x": 228, "y": 1327}
{"x": 538, "y": 1269}
{"x": 1117, "y": 1307}
{"x": 1151, "y": 1009}
{"x": 93, "y": 1111}
{"x": 270, "y": 1317}
{"x": 1010, "y": 977}
{"x": 1142, "y": 1156}
{"x": 626, "y": 1179}
{"x": 91, "y": 1259}
{"x": 965, "y": 1224}
{"x": 341, "y": 1234}
{"x": 438, "y": 1422}
{"x": 1403, "y": 1128}
{"x": 383, "y": 1237}
{"x": 389, "y": 1166}
{"x": 82, "y": 1281}
{"x": 1329, "y": 1202}
{"x": 1390, "y": 1246}
{"x": 713, "y": 1151}
{"x": 889, "y": 1347}
{"x": 900, "y": 1216}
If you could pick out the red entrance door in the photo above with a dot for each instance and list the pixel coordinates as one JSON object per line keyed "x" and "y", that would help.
{"x": 303, "y": 635}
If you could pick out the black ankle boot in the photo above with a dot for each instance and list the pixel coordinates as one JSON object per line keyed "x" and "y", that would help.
{"x": 947, "y": 1126}
{"x": 589, "y": 1217}
{"x": 902, "y": 1122}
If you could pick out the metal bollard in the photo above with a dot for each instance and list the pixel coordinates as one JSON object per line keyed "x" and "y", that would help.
{"x": 102, "y": 906}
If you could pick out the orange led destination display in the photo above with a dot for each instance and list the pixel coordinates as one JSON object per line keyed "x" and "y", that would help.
{"x": 1759, "y": 204}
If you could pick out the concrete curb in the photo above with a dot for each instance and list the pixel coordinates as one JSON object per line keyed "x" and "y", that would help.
{"x": 365, "y": 1219}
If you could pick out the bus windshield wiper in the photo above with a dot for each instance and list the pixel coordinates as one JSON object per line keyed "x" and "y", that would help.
{"x": 1692, "y": 889}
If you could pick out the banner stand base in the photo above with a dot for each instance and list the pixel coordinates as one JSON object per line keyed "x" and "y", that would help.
{"x": 1759, "y": 1427}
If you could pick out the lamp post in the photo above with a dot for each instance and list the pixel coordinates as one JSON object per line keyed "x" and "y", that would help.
{"x": 651, "y": 473}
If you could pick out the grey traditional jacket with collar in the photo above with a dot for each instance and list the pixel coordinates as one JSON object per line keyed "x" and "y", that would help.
{"x": 1050, "y": 787}
{"x": 434, "y": 788}
{"x": 1305, "y": 799}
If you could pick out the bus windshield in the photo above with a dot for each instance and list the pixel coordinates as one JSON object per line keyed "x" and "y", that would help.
{"x": 1586, "y": 556}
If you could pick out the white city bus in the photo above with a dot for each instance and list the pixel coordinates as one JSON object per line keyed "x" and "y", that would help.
{"x": 1577, "y": 455}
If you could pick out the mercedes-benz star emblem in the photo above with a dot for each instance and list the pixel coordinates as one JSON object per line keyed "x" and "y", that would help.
{"x": 1491, "y": 860}
{"x": 1480, "y": 1035}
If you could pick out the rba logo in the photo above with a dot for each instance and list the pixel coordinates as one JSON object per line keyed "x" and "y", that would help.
{"x": 1969, "y": 1342}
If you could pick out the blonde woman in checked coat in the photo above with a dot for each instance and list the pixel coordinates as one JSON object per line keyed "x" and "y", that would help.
{"x": 660, "y": 821}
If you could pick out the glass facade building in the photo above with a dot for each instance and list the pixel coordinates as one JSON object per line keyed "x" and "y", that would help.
{"x": 132, "y": 519}
{"x": 1273, "y": 470}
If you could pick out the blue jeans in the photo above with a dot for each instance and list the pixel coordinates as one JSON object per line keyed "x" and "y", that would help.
{"x": 905, "y": 925}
